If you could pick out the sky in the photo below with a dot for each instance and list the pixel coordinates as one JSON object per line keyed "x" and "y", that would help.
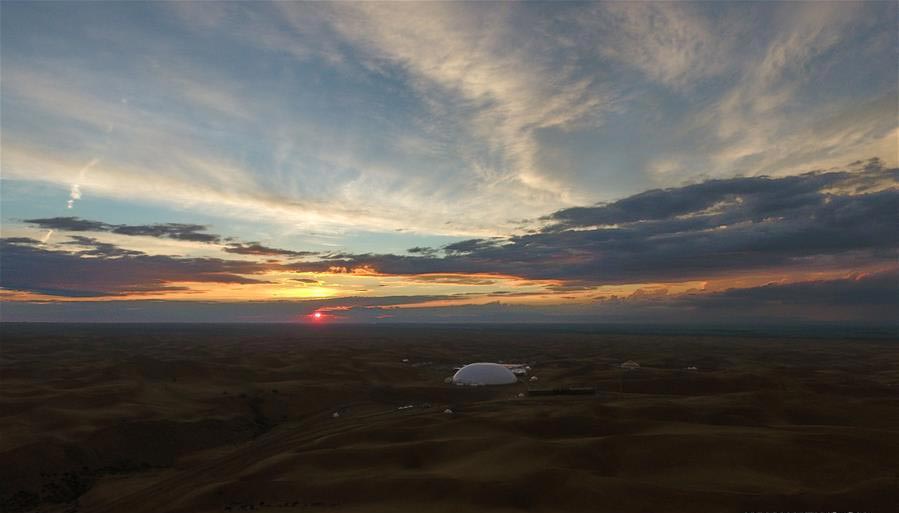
{"x": 712, "y": 162}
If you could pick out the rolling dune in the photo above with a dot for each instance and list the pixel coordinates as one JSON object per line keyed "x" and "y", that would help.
{"x": 212, "y": 418}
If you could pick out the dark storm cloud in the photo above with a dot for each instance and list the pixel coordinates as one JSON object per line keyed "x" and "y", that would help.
{"x": 177, "y": 231}
{"x": 107, "y": 270}
{"x": 715, "y": 228}
{"x": 254, "y": 248}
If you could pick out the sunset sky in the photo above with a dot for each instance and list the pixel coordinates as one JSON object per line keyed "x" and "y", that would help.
{"x": 716, "y": 162}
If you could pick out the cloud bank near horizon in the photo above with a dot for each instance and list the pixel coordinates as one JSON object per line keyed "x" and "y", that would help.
{"x": 819, "y": 229}
{"x": 860, "y": 299}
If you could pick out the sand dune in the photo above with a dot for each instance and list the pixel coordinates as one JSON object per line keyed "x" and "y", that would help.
{"x": 197, "y": 419}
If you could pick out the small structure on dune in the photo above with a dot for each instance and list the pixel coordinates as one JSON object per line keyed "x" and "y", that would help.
{"x": 630, "y": 365}
{"x": 477, "y": 374}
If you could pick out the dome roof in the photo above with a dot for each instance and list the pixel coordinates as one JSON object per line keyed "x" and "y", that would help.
{"x": 484, "y": 374}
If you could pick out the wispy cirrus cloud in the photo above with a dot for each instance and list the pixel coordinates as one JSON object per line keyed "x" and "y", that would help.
{"x": 772, "y": 116}
{"x": 674, "y": 44}
{"x": 508, "y": 85}
{"x": 416, "y": 116}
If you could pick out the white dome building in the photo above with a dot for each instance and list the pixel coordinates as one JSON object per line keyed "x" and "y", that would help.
{"x": 475, "y": 374}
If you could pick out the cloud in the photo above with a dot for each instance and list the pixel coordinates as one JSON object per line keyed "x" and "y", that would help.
{"x": 192, "y": 311}
{"x": 456, "y": 119}
{"x": 420, "y": 250}
{"x": 672, "y": 43}
{"x": 70, "y": 224}
{"x": 818, "y": 221}
{"x": 752, "y": 198}
{"x": 790, "y": 107}
{"x": 100, "y": 249}
{"x": 495, "y": 81}
{"x": 254, "y": 248}
{"x": 718, "y": 228}
{"x": 857, "y": 298}
{"x": 74, "y": 194}
{"x": 102, "y": 269}
{"x": 455, "y": 279}
{"x": 21, "y": 240}
{"x": 858, "y": 290}
{"x": 176, "y": 231}
{"x": 830, "y": 223}
{"x": 854, "y": 299}
{"x": 439, "y": 118}
{"x": 75, "y": 191}
{"x": 471, "y": 245}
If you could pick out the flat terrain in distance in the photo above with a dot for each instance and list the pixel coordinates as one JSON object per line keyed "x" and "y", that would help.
{"x": 240, "y": 417}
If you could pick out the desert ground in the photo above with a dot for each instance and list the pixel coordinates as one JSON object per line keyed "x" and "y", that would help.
{"x": 280, "y": 418}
